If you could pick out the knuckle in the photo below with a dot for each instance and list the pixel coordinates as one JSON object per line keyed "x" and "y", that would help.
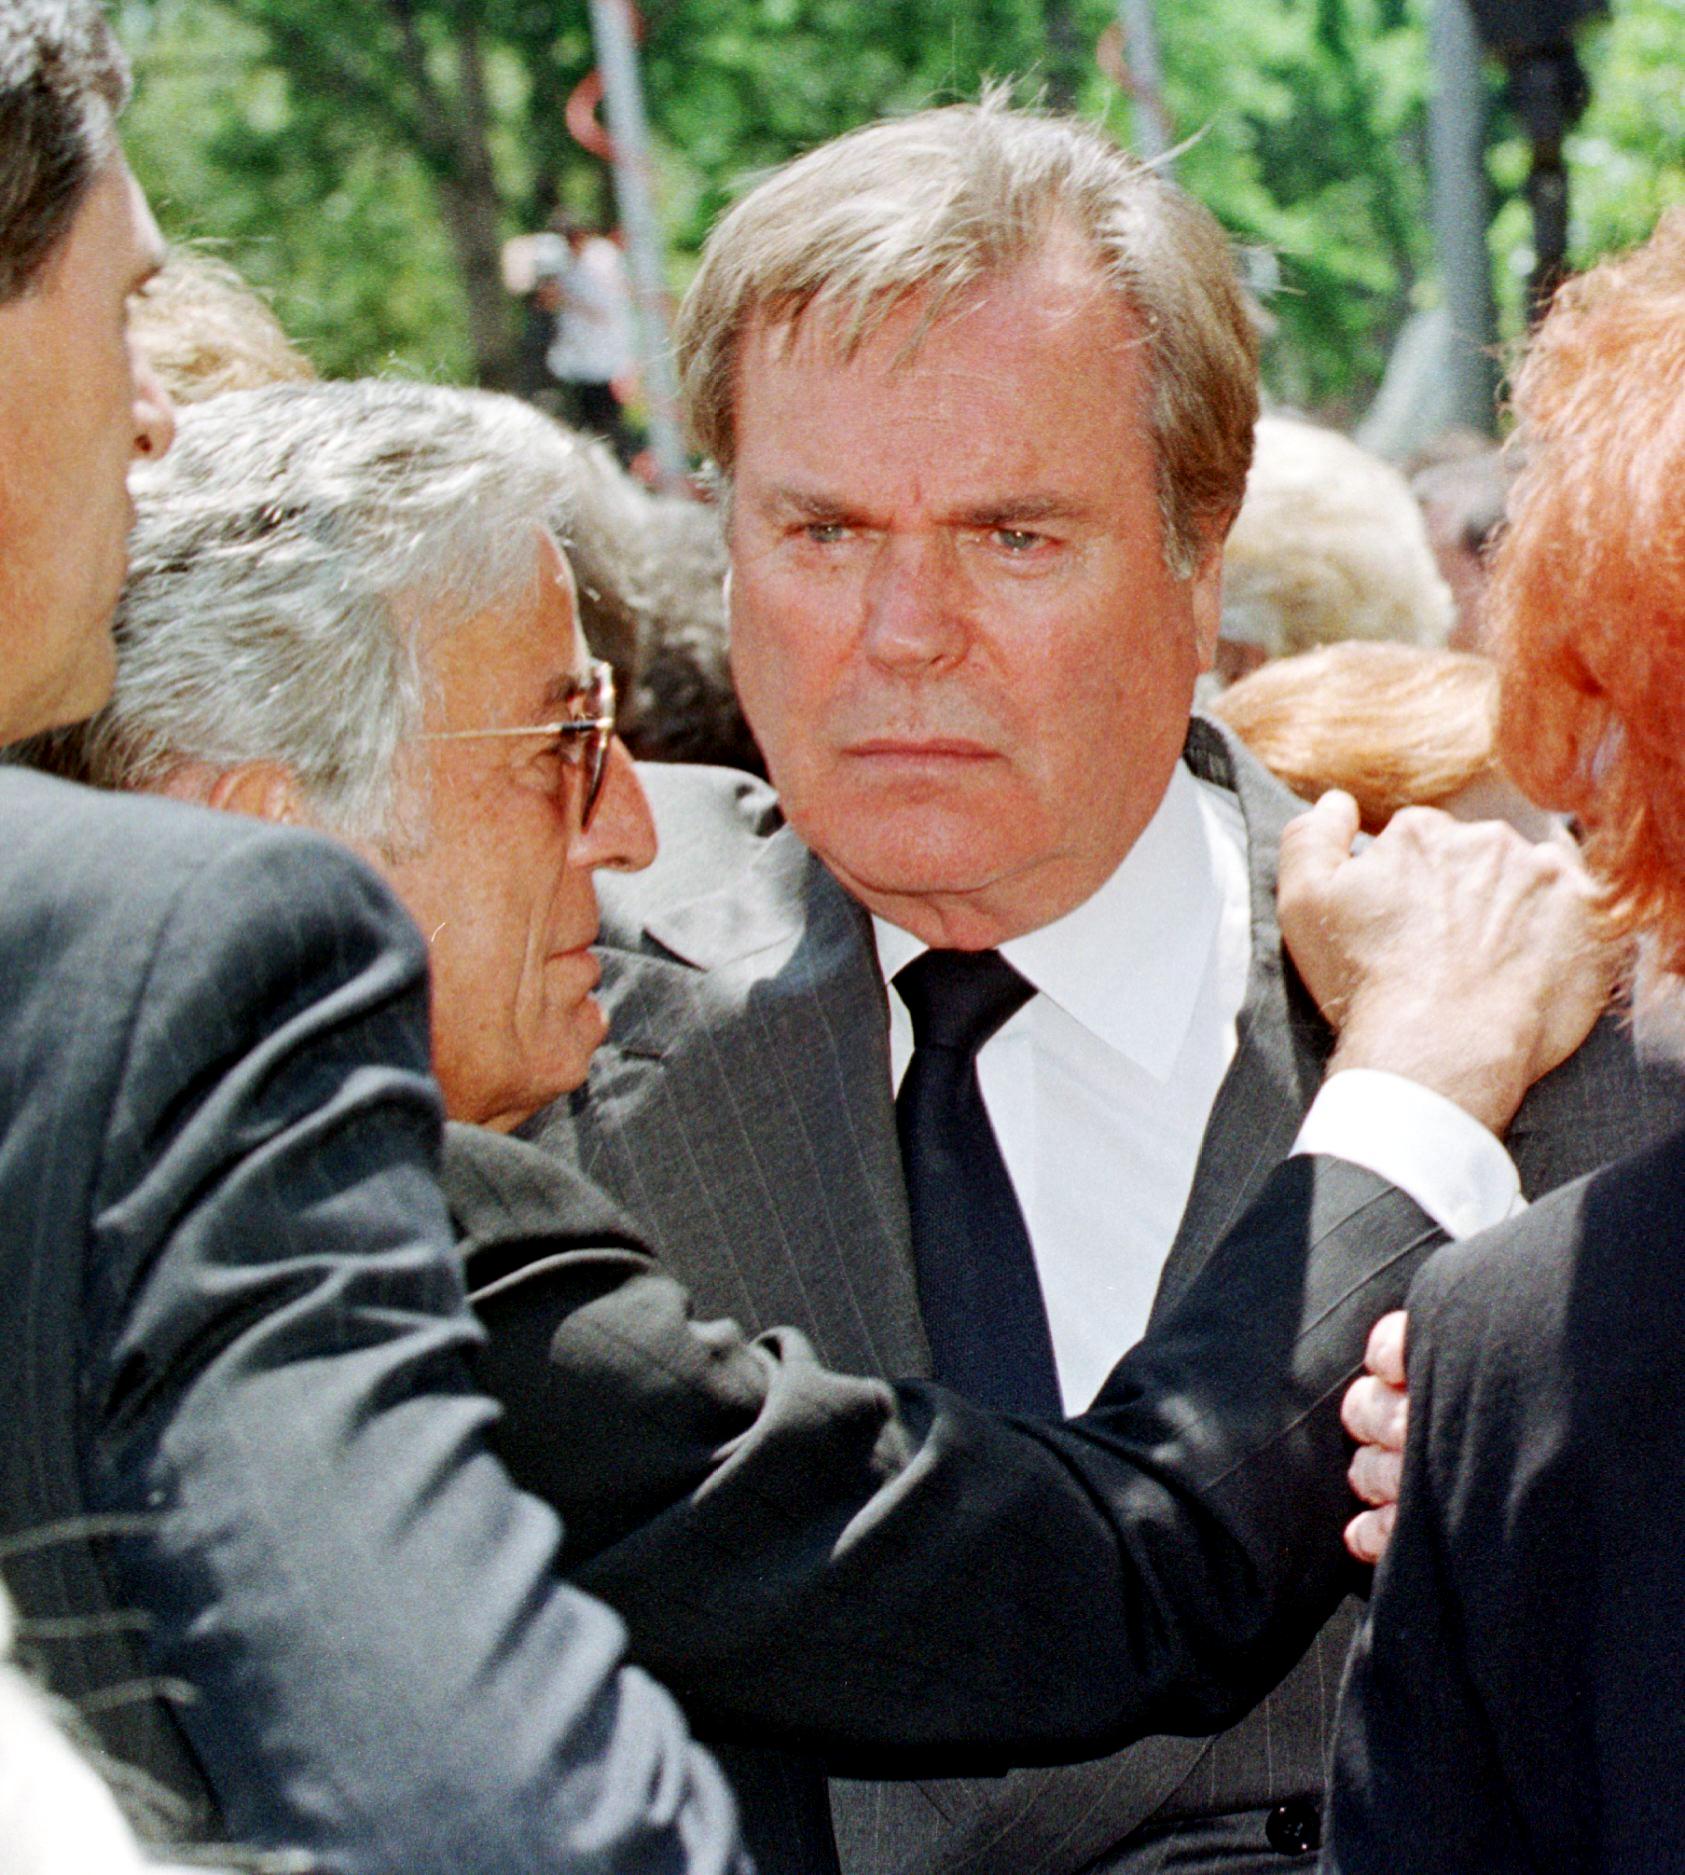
{"x": 1424, "y": 824}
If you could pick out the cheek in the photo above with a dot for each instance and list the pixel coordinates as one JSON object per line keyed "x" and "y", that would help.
{"x": 780, "y": 652}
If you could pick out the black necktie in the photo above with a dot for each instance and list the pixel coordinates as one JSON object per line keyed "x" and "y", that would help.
{"x": 978, "y": 1291}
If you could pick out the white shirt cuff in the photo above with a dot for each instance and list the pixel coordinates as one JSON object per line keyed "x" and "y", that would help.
{"x": 1426, "y": 1145}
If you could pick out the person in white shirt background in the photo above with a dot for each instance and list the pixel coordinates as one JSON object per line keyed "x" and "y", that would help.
{"x": 581, "y": 280}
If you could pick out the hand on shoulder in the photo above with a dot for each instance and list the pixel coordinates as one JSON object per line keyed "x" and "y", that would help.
{"x": 1458, "y": 954}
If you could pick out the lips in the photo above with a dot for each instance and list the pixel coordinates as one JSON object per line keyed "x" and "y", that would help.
{"x": 583, "y": 955}
{"x": 920, "y": 749}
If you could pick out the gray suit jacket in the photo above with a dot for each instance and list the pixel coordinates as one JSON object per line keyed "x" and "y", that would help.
{"x": 247, "y": 1511}
{"x": 890, "y": 1579}
{"x": 742, "y": 1112}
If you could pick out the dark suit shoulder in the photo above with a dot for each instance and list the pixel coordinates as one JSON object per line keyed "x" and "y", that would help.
{"x": 510, "y": 1203}
{"x": 1603, "y": 1102}
{"x": 1518, "y": 1685}
{"x": 105, "y": 869}
{"x": 1590, "y": 1261}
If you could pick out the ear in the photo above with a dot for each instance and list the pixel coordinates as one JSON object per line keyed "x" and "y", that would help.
{"x": 265, "y": 790}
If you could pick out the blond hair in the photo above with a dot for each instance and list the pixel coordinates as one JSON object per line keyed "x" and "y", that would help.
{"x": 1394, "y": 725}
{"x": 1329, "y": 544}
{"x": 930, "y": 206}
{"x": 204, "y": 331}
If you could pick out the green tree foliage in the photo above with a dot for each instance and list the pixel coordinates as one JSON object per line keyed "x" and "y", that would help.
{"x": 362, "y": 159}
{"x": 336, "y": 225}
{"x": 1626, "y": 158}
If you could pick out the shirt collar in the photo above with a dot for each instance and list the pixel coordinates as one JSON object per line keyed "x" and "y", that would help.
{"x": 1127, "y": 963}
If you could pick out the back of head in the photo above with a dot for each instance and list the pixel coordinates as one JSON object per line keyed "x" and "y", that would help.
{"x": 205, "y": 331}
{"x": 66, "y": 1807}
{"x": 1394, "y": 725}
{"x": 63, "y": 81}
{"x": 56, "y": 1817}
{"x": 293, "y": 558}
{"x": 933, "y": 206}
{"x": 1329, "y": 544}
{"x": 1588, "y": 580}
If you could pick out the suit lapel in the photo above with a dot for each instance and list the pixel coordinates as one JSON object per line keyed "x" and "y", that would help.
{"x": 1282, "y": 1043}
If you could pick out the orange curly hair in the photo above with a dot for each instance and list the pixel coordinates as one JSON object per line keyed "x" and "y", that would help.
{"x": 1588, "y": 588}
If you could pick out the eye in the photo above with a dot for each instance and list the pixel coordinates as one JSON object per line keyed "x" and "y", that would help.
{"x": 547, "y": 769}
{"x": 1017, "y": 540}
{"x": 826, "y": 533}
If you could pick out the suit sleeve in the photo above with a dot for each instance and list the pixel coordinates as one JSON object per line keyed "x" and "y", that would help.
{"x": 907, "y": 1585}
{"x": 376, "y": 1663}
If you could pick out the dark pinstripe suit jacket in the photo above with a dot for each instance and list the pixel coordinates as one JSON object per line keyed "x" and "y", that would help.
{"x": 741, "y": 1111}
{"x": 246, "y": 1508}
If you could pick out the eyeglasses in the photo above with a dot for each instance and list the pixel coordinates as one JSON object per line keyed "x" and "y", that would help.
{"x": 594, "y": 727}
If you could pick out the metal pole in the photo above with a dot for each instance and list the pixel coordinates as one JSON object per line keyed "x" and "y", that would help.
{"x": 617, "y": 59}
{"x": 1461, "y": 211}
{"x": 1153, "y": 137}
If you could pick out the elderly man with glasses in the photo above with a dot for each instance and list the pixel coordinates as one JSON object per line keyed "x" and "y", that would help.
{"x": 248, "y": 1518}
{"x": 346, "y": 612}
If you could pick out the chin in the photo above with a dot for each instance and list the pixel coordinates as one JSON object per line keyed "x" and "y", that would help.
{"x": 586, "y": 1031}
{"x": 920, "y": 852}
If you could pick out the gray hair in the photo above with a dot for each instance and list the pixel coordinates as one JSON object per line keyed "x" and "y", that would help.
{"x": 63, "y": 80}
{"x": 294, "y": 556}
{"x": 933, "y": 204}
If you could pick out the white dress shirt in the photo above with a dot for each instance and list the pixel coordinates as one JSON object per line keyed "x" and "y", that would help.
{"x": 1099, "y": 1089}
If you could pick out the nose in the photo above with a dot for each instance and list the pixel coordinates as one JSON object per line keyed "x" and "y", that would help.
{"x": 621, "y": 836}
{"x": 914, "y": 610}
{"x": 154, "y": 414}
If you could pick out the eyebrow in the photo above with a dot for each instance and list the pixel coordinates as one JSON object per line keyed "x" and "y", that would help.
{"x": 805, "y": 501}
{"x": 1008, "y": 511}
{"x": 1023, "y": 509}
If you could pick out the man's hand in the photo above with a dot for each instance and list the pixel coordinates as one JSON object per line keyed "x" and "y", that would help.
{"x": 1459, "y": 955}
{"x": 1376, "y": 1412}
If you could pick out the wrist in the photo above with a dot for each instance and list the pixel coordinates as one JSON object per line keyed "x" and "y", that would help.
{"x": 1459, "y": 1061}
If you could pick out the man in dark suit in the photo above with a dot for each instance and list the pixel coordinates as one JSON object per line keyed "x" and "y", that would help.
{"x": 247, "y": 1511}
{"x": 887, "y": 1579}
{"x": 981, "y": 392}
{"x": 1516, "y": 1700}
